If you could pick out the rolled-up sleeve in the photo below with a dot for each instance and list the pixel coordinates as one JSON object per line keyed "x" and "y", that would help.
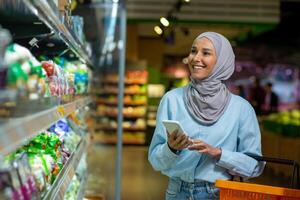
{"x": 249, "y": 141}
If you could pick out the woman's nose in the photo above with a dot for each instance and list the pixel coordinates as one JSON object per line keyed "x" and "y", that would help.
{"x": 198, "y": 57}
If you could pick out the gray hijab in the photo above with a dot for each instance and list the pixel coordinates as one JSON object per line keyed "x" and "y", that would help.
{"x": 207, "y": 99}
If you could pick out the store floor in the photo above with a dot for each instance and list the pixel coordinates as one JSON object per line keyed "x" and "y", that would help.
{"x": 139, "y": 180}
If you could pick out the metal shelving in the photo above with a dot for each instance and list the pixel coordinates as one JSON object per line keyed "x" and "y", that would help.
{"x": 23, "y": 126}
{"x": 16, "y": 132}
{"x": 60, "y": 185}
{"x": 83, "y": 181}
{"x": 47, "y": 12}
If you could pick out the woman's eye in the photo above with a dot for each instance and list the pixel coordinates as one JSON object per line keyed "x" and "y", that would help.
{"x": 206, "y": 53}
{"x": 193, "y": 51}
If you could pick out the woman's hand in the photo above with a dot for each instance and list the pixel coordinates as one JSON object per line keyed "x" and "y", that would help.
{"x": 177, "y": 141}
{"x": 203, "y": 147}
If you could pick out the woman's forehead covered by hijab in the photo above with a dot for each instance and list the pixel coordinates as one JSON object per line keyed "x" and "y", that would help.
{"x": 225, "y": 55}
{"x": 216, "y": 42}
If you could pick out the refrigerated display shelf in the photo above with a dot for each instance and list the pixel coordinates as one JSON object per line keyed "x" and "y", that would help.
{"x": 16, "y": 131}
{"x": 61, "y": 183}
{"x": 47, "y": 12}
{"x": 83, "y": 180}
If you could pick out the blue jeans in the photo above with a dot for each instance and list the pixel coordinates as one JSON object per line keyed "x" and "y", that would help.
{"x": 199, "y": 190}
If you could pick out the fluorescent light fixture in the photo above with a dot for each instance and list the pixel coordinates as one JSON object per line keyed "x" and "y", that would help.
{"x": 158, "y": 30}
{"x": 164, "y": 21}
{"x": 50, "y": 44}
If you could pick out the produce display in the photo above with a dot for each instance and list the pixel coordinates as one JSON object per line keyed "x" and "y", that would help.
{"x": 107, "y": 123}
{"x": 286, "y": 123}
{"x": 129, "y": 89}
{"x": 34, "y": 78}
{"x": 73, "y": 189}
{"x": 29, "y": 172}
{"x": 37, "y": 90}
{"x": 76, "y": 187}
{"x": 131, "y": 77}
{"x": 134, "y": 110}
{"x": 28, "y": 78}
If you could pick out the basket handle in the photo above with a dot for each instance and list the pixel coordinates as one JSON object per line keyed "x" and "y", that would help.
{"x": 295, "y": 175}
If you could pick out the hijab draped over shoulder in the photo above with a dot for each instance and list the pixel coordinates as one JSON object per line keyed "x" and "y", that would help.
{"x": 206, "y": 100}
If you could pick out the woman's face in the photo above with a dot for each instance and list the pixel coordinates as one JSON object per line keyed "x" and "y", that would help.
{"x": 202, "y": 58}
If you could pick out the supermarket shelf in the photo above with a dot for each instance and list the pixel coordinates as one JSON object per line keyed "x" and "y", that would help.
{"x": 114, "y": 103}
{"x": 115, "y": 115}
{"x": 114, "y": 90}
{"x": 137, "y": 82}
{"x": 116, "y": 93}
{"x": 125, "y": 142}
{"x": 113, "y": 141}
{"x": 81, "y": 190}
{"x": 47, "y": 12}
{"x": 24, "y": 107}
{"x": 60, "y": 185}
{"x": 16, "y": 131}
{"x": 151, "y": 123}
{"x": 124, "y": 128}
{"x": 127, "y": 82}
{"x": 134, "y": 93}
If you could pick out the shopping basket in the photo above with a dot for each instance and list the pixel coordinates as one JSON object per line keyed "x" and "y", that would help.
{"x": 234, "y": 190}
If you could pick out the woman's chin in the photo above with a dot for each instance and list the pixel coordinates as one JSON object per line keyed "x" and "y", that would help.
{"x": 198, "y": 76}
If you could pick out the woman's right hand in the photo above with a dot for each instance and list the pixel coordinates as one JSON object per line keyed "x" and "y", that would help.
{"x": 177, "y": 142}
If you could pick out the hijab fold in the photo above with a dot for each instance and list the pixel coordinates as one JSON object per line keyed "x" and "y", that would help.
{"x": 206, "y": 100}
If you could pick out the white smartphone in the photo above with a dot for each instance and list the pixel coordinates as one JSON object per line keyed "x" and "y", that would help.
{"x": 172, "y": 125}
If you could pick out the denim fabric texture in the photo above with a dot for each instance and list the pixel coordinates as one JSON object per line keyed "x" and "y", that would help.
{"x": 199, "y": 190}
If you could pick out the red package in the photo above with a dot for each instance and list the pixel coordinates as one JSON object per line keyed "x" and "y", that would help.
{"x": 49, "y": 67}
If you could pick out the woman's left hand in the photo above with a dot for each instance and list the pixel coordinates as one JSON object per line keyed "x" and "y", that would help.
{"x": 202, "y": 147}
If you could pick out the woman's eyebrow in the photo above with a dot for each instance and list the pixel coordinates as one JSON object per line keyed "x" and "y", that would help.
{"x": 207, "y": 49}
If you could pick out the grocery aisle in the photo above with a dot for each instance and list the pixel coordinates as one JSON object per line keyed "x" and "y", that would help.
{"x": 139, "y": 180}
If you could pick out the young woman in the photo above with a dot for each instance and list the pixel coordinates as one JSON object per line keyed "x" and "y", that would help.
{"x": 220, "y": 127}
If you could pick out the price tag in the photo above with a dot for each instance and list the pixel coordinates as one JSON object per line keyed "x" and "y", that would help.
{"x": 61, "y": 110}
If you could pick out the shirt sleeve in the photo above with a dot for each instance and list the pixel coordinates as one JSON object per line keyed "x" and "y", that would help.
{"x": 160, "y": 156}
{"x": 249, "y": 141}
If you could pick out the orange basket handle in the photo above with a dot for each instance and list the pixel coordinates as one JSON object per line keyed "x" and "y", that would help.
{"x": 295, "y": 175}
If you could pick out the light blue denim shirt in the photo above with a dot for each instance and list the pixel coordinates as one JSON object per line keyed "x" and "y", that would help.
{"x": 236, "y": 132}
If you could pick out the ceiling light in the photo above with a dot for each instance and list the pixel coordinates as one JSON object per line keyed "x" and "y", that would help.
{"x": 37, "y": 23}
{"x": 50, "y": 44}
{"x": 158, "y": 30}
{"x": 187, "y": 1}
{"x": 164, "y": 21}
